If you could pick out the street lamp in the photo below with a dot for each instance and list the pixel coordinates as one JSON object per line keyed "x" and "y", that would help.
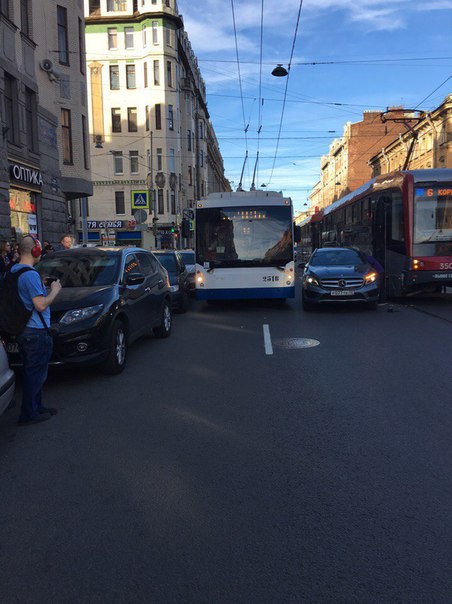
{"x": 280, "y": 71}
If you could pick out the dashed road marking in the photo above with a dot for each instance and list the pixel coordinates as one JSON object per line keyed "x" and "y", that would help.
{"x": 267, "y": 340}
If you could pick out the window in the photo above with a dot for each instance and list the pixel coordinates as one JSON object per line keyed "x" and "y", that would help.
{"x": 114, "y": 6}
{"x": 63, "y": 46}
{"x": 147, "y": 263}
{"x": 4, "y": 8}
{"x": 131, "y": 80}
{"x": 171, "y": 161}
{"x": 148, "y": 159}
{"x": 168, "y": 36}
{"x": 144, "y": 36}
{"x": 170, "y": 117}
{"x": 11, "y": 115}
{"x": 85, "y": 146}
{"x": 158, "y": 117}
{"x": 160, "y": 202}
{"x": 116, "y": 120}
{"x": 120, "y": 206}
{"x": 190, "y": 176}
{"x": 147, "y": 117}
{"x": 118, "y": 162}
{"x": 128, "y": 37}
{"x": 133, "y": 157}
{"x": 169, "y": 74}
{"x": 132, "y": 119}
{"x": 201, "y": 158}
{"x": 156, "y": 73}
{"x": 159, "y": 159}
{"x": 167, "y": 201}
{"x": 81, "y": 46}
{"x": 155, "y": 25}
{"x": 145, "y": 74}
{"x": 114, "y": 77}
{"x": 173, "y": 202}
{"x": 189, "y": 140}
{"x": 201, "y": 130}
{"x": 66, "y": 136}
{"x": 112, "y": 38}
{"x": 30, "y": 118}
{"x": 24, "y": 17}
{"x": 94, "y": 8}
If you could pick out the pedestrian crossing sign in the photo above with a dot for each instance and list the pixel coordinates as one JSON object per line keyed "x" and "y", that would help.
{"x": 140, "y": 200}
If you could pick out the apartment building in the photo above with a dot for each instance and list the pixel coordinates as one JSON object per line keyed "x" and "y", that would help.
{"x": 432, "y": 144}
{"x": 151, "y": 138}
{"x": 346, "y": 166}
{"x": 44, "y": 154}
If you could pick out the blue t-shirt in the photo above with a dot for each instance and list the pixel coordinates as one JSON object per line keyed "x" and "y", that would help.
{"x": 30, "y": 285}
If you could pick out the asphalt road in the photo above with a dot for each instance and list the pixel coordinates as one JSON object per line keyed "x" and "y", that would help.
{"x": 227, "y": 464}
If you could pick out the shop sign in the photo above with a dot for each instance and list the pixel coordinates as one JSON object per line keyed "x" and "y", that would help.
{"x": 25, "y": 175}
{"x": 105, "y": 224}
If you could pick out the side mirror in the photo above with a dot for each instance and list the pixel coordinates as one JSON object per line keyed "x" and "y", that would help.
{"x": 135, "y": 279}
{"x": 302, "y": 265}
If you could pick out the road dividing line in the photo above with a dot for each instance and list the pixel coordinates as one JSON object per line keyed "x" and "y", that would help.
{"x": 267, "y": 340}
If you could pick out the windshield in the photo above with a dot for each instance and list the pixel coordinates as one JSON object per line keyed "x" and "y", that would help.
{"x": 168, "y": 261}
{"x": 433, "y": 219}
{"x": 188, "y": 257}
{"x": 336, "y": 258}
{"x": 80, "y": 270}
{"x": 244, "y": 236}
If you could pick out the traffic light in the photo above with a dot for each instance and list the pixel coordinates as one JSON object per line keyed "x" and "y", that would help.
{"x": 185, "y": 228}
{"x": 173, "y": 227}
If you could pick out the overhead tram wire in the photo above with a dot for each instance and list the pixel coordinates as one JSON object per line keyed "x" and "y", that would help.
{"x": 245, "y": 127}
{"x": 433, "y": 92}
{"x": 285, "y": 91}
{"x": 261, "y": 101}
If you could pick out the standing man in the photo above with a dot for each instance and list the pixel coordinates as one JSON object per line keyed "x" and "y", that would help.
{"x": 65, "y": 243}
{"x": 35, "y": 342}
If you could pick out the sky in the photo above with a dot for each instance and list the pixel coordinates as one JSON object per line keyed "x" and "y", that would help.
{"x": 385, "y": 53}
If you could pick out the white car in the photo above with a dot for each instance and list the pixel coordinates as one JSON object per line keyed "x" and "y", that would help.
{"x": 7, "y": 380}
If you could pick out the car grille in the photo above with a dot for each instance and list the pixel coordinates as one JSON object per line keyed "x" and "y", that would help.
{"x": 352, "y": 282}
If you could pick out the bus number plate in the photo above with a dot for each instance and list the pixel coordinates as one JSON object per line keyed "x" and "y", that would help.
{"x": 270, "y": 278}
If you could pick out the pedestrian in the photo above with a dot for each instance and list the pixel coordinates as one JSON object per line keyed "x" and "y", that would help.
{"x": 48, "y": 247}
{"x": 65, "y": 243}
{"x": 5, "y": 257}
{"x": 35, "y": 342}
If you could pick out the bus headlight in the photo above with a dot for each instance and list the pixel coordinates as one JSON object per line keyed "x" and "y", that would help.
{"x": 199, "y": 278}
{"x": 370, "y": 278}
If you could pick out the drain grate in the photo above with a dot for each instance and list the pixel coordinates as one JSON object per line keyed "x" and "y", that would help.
{"x": 295, "y": 343}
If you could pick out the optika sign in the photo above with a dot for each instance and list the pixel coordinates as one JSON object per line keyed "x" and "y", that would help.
{"x": 25, "y": 175}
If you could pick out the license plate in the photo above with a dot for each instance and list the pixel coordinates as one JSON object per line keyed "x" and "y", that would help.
{"x": 12, "y": 347}
{"x": 343, "y": 292}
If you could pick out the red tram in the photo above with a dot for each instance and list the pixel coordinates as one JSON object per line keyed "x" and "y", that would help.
{"x": 403, "y": 219}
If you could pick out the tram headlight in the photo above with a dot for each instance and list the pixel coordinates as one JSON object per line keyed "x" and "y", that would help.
{"x": 417, "y": 264}
{"x": 370, "y": 277}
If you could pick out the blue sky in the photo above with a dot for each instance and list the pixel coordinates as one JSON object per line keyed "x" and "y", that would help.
{"x": 395, "y": 32}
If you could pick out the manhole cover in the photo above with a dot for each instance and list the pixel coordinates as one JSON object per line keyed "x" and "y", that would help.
{"x": 293, "y": 343}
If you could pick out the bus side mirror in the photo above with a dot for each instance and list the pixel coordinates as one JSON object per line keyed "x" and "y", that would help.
{"x": 297, "y": 233}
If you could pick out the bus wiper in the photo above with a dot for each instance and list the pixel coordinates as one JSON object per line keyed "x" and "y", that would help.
{"x": 212, "y": 267}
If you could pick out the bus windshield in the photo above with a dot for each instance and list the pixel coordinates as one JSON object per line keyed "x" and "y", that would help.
{"x": 244, "y": 236}
{"x": 433, "y": 217}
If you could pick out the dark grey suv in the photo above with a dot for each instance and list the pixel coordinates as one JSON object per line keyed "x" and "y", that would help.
{"x": 339, "y": 275}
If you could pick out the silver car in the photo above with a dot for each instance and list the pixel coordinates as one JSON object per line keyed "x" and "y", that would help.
{"x": 7, "y": 380}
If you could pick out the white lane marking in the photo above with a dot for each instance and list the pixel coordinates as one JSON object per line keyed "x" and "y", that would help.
{"x": 267, "y": 340}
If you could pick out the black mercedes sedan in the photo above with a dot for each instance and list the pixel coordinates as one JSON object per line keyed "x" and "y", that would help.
{"x": 339, "y": 275}
{"x": 110, "y": 297}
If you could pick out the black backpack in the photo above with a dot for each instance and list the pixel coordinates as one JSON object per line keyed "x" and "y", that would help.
{"x": 13, "y": 314}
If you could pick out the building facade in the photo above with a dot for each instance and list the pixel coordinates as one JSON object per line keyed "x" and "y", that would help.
{"x": 346, "y": 166}
{"x": 153, "y": 147}
{"x": 432, "y": 145}
{"x": 44, "y": 155}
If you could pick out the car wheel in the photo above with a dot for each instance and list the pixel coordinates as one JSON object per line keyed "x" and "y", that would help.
{"x": 163, "y": 330}
{"x": 117, "y": 354}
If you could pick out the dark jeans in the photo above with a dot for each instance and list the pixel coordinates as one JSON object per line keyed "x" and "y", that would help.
{"x": 35, "y": 347}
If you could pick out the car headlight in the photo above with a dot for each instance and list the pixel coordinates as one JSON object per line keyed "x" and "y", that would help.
{"x": 370, "y": 277}
{"x": 311, "y": 280}
{"x": 79, "y": 314}
{"x": 174, "y": 288}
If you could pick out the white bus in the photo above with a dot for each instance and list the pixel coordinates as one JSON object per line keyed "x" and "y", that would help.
{"x": 244, "y": 246}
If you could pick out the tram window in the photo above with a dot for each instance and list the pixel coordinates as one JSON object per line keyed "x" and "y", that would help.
{"x": 397, "y": 219}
